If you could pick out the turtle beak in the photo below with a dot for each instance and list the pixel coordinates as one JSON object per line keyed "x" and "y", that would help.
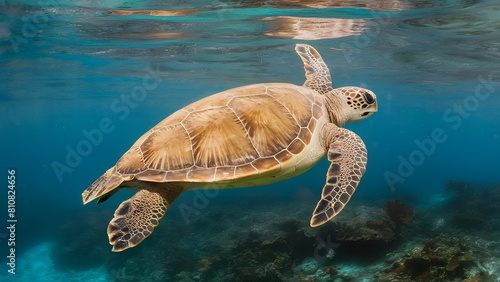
{"x": 373, "y": 108}
{"x": 371, "y": 100}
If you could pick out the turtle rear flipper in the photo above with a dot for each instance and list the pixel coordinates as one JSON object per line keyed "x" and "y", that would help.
{"x": 136, "y": 218}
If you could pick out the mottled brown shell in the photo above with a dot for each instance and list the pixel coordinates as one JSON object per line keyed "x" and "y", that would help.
{"x": 238, "y": 133}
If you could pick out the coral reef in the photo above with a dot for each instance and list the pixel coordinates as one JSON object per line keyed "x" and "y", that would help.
{"x": 281, "y": 246}
{"x": 443, "y": 258}
{"x": 398, "y": 212}
{"x": 456, "y": 240}
{"x": 462, "y": 246}
{"x": 363, "y": 230}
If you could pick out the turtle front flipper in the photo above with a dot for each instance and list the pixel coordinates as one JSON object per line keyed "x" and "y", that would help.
{"x": 347, "y": 152}
{"x": 317, "y": 72}
{"x": 136, "y": 218}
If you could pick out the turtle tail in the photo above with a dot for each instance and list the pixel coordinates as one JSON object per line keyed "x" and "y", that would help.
{"x": 103, "y": 187}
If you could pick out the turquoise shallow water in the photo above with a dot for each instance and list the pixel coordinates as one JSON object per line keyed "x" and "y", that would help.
{"x": 70, "y": 69}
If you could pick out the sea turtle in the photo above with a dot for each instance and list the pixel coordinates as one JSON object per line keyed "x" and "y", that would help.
{"x": 246, "y": 136}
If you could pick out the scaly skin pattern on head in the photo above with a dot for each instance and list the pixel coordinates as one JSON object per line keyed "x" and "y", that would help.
{"x": 350, "y": 104}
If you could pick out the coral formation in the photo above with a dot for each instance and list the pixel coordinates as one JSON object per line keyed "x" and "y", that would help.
{"x": 332, "y": 271}
{"x": 443, "y": 258}
{"x": 367, "y": 240}
{"x": 364, "y": 230}
{"x": 398, "y": 212}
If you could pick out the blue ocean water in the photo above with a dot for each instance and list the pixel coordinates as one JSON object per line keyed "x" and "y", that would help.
{"x": 83, "y": 80}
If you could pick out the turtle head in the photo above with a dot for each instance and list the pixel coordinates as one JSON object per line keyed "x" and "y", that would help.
{"x": 356, "y": 104}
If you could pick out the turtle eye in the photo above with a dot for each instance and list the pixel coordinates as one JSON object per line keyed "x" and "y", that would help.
{"x": 368, "y": 98}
